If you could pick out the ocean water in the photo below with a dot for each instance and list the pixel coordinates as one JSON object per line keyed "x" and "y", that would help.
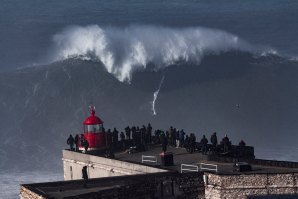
{"x": 27, "y": 29}
{"x": 205, "y": 66}
{"x": 10, "y": 182}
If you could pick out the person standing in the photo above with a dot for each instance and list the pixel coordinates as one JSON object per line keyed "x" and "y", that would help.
{"x": 122, "y": 138}
{"x": 85, "y": 144}
{"x": 149, "y": 132}
{"x": 85, "y": 175}
{"x": 174, "y": 137}
{"x": 164, "y": 143}
{"x": 204, "y": 143}
{"x": 213, "y": 140}
{"x": 70, "y": 142}
{"x": 134, "y": 134}
{"x": 181, "y": 137}
{"x": 177, "y": 139}
{"x": 242, "y": 143}
{"x": 192, "y": 142}
{"x": 77, "y": 142}
{"x": 127, "y": 132}
{"x": 115, "y": 136}
{"x": 226, "y": 143}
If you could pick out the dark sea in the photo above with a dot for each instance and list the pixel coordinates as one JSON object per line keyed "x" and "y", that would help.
{"x": 202, "y": 66}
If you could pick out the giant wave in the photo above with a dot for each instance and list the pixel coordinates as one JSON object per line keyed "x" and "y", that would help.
{"x": 126, "y": 50}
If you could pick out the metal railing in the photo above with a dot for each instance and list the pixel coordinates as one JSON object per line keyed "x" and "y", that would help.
{"x": 198, "y": 167}
{"x": 208, "y": 167}
{"x": 147, "y": 158}
{"x": 189, "y": 167}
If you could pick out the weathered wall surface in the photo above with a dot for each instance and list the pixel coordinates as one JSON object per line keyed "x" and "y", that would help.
{"x": 98, "y": 167}
{"x": 241, "y": 186}
{"x": 28, "y": 194}
{"x": 167, "y": 186}
{"x": 145, "y": 186}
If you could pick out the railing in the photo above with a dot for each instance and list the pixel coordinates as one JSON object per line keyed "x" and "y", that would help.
{"x": 198, "y": 167}
{"x": 146, "y": 158}
{"x": 208, "y": 167}
{"x": 189, "y": 167}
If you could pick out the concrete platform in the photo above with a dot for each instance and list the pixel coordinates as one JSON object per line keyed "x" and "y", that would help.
{"x": 181, "y": 156}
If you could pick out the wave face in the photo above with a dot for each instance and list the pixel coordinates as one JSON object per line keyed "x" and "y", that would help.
{"x": 126, "y": 50}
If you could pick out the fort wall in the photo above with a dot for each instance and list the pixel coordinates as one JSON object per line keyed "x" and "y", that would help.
{"x": 26, "y": 193}
{"x": 128, "y": 178}
{"x": 155, "y": 185}
{"x": 241, "y": 186}
{"x": 98, "y": 167}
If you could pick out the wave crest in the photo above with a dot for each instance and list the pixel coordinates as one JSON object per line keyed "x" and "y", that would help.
{"x": 125, "y": 50}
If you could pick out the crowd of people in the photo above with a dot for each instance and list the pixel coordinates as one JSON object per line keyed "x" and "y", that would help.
{"x": 76, "y": 141}
{"x": 139, "y": 137}
{"x": 142, "y": 136}
{"x": 178, "y": 138}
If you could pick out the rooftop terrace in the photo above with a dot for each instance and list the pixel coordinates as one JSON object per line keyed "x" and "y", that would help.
{"x": 181, "y": 156}
{"x": 158, "y": 184}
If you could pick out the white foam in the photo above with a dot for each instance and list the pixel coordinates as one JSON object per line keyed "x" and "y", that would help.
{"x": 125, "y": 50}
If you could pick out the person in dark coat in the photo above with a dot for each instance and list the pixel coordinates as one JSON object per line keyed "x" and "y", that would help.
{"x": 134, "y": 134}
{"x": 149, "y": 133}
{"x": 171, "y": 136}
{"x": 85, "y": 175}
{"x": 70, "y": 142}
{"x": 213, "y": 140}
{"x": 143, "y": 135}
{"x": 138, "y": 135}
{"x": 242, "y": 143}
{"x": 181, "y": 137}
{"x": 85, "y": 144}
{"x": 109, "y": 137}
{"x": 164, "y": 143}
{"x": 187, "y": 142}
{"x": 115, "y": 136}
{"x": 127, "y": 132}
{"x": 77, "y": 139}
{"x": 226, "y": 143}
{"x": 204, "y": 143}
{"x": 122, "y": 138}
{"x": 192, "y": 142}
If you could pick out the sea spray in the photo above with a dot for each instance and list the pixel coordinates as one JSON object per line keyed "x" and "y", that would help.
{"x": 126, "y": 50}
{"x": 155, "y": 94}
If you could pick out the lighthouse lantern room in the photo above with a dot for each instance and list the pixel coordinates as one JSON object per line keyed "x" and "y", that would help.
{"x": 94, "y": 131}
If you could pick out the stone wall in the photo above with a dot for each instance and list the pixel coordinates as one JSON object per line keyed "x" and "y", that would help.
{"x": 241, "y": 186}
{"x": 176, "y": 185}
{"x": 26, "y": 193}
{"x": 150, "y": 186}
{"x": 98, "y": 167}
{"x": 156, "y": 185}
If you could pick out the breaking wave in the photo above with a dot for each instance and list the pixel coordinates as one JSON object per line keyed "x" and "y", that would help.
{"x": 126, "y": 50}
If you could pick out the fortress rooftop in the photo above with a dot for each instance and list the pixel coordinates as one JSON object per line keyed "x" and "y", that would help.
{"x": 181, "y": 156}
{"x": 127, "y": 176}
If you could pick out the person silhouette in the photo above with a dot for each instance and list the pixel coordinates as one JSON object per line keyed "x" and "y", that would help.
{"x": 70, "y": 142}
{"x": 85, "y": 175}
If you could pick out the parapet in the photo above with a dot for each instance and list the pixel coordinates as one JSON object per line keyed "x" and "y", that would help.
{"x": 155, "y": 185}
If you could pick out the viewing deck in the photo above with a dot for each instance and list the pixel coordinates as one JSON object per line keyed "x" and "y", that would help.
{"x": 181, "y": 156}
{"x": 129, "y": 176}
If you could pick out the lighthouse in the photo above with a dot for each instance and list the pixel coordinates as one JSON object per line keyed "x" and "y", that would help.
{"x": 94, "y": 132}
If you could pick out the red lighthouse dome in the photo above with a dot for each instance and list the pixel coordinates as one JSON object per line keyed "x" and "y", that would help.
{"x": 94, "y": 131}
{"x": 92, "y": 119}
